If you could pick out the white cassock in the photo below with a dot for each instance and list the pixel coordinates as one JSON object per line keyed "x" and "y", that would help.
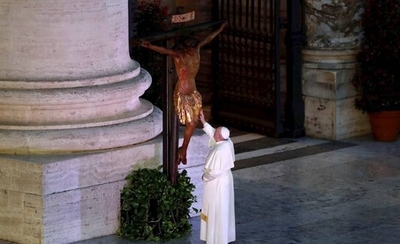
{"x": 218, "y": 209}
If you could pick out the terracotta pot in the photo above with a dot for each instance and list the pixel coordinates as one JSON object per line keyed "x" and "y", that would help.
{"x": 385, "y": 125}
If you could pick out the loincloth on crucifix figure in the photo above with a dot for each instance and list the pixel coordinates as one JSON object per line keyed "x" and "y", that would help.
{"x": 187, "y": 100}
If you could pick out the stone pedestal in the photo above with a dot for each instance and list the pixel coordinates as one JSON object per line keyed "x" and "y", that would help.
{"x": 68, "y": 198}
{"x": 333, "y": 35}
{"x": 329, "y": 95}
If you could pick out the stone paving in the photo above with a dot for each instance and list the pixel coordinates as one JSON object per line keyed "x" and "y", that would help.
{"x": 348, "y": 195}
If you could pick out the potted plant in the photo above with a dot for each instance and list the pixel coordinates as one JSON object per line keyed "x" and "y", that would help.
{"x": 377, "y": 76}
{"x": 153, "y": 209}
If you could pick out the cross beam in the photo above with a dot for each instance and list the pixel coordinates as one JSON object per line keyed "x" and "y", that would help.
{"x": 177, "y": 32}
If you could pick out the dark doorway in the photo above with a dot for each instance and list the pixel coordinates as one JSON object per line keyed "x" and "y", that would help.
{"x": 252, "y": 68}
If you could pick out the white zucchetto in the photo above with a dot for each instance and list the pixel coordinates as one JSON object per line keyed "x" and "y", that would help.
{"x": 225, "y": 133}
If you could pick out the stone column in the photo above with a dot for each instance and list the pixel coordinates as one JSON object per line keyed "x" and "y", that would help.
{"x": 67, "y": 82}
{"x": 332, "y": 41}
{"x": 72, "y": 123}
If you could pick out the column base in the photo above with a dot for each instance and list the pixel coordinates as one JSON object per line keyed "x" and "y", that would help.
{"x": 69, "y": 198}
{"x": 329, "y": 95}
{"x": 334, "y": 119}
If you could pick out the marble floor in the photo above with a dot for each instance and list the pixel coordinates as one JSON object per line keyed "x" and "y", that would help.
{"x": 314, "y": 192}
{"x": 310, "y": 191}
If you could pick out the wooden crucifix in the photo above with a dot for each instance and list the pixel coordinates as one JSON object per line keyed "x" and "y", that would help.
{"x": 186, "y": 100}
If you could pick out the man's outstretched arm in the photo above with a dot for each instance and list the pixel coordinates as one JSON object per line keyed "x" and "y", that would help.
{"x": 207, "y": 128}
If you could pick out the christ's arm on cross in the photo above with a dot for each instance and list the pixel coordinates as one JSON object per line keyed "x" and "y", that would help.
{"x": 162, "y": 50}
{"x": 210, "y": 37}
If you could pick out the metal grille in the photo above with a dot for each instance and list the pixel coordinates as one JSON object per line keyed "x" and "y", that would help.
{"x": 247, "y": 90}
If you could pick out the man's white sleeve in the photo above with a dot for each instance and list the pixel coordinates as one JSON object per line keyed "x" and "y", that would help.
{"x": 211, "y": 174}
{"x": 209, "y": 130}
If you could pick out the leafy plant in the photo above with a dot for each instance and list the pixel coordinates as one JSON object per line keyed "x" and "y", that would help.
{"x": 152, "y": 209}
{"x": 377, "y": 76}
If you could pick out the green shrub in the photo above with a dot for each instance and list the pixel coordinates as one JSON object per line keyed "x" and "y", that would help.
{"x": 152, "y": 209}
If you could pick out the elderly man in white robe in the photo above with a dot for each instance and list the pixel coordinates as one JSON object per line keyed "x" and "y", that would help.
{"x": 218, "y": 209}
